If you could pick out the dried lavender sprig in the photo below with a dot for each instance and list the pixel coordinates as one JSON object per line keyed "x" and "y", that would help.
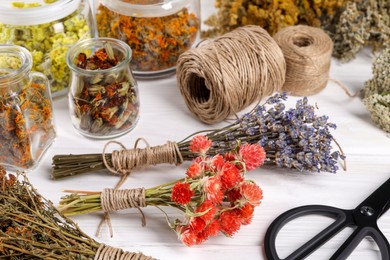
{"x": 295, "y": 138}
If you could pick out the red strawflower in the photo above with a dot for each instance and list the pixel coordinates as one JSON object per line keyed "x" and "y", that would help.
{"x": 209, "y": 208}
{"x": 230, "y": 175}
{"x": 197, "y": 224}
{"x": 229, "y": 222}
{"x": 212, "y": 228}
{"x": 209, "y": 231}
{"x": 213, "y": 189}
{"x": 181, "y": 193}
{"x": 233, "y": 195}
{"x": 194, "y": 170}
{"x": 200, "y": 144}
{"x": 229, "y": 156}
{"x": 253, "y": 155}
{"x": 251, "y": 193}
{"x": 187, "y": 236}
{"x": 246, "y": 213}
{"x": 217, "y": 162}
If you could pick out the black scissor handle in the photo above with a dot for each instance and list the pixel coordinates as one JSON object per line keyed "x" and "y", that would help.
{"x": 357, "y": 236}
{"x": 342, "y": 220}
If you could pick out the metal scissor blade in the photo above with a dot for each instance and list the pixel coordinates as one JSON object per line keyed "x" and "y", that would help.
{"x": 377, "y": 203}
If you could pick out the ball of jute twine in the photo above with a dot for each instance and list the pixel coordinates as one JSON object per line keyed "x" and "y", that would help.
{"x": 225, "y": 75}
{"x": 307, "y": 51}
{"x": 106, "y": 252}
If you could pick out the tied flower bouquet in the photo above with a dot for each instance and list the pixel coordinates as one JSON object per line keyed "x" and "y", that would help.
{"x": 214, "y": 196}
{"x": 294, "y": 138}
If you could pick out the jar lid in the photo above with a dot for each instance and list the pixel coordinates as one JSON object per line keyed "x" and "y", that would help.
{"x": 35, "y": 11}
{"x": 145, "y": 8}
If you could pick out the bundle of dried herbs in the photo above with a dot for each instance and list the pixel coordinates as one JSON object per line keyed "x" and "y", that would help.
{"x": 26, "y": 124}
{"x": 361, "y": 23}
{"x": 104, "y": 103}
{"x": 271, "y": 15}
{"x": 294, "y": 138}
{"x": 214, "y": 197}
{"x": 32, "y": 228}
{"x": 156, "y": 42}
{"x": 377, "y": 91}
{"x": 351, "y": 24}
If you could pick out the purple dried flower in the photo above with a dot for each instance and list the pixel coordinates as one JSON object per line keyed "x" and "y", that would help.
{"x": 293, "y": 138}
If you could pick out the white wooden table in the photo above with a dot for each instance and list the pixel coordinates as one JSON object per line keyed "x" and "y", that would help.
{"x": 164, "y": 116}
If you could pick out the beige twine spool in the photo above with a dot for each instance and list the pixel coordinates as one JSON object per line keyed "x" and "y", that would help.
{"x": 221, "y": 77}
{"x": 308, "y": 52}
{"x": 105, "y": 252}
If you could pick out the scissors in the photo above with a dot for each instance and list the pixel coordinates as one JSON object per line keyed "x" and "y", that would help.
{"x": 363, "y": 219}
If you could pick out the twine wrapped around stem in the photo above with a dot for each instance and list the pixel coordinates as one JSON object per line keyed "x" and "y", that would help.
{"x": 114, "y": 199}
{"x": 125, "y": 160}
{"x": 105, "y": 252}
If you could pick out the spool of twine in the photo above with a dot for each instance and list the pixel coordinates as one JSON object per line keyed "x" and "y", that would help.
{"x": 221, "y": 77}
{"x": 307, "y": 51}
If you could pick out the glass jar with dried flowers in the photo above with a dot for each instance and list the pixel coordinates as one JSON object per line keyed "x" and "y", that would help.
{"x": 26, "y": 123}
{"x": 158, "y": 31}
{"x": 47, "y": 28}
{"x": 103, "y": 97}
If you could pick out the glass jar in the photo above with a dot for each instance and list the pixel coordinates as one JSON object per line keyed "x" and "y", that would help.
{"x": 47, "y": 28}
{"x": 103, "y": 97}
{"x": 158, "y": 31}
{"x": 26, "y": 114}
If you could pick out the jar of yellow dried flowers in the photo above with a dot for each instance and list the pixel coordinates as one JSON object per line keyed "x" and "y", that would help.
{"x": 26, "y": 118}
{"x": 47, "y": 28}
{"x": 158, "y": 31}
{"x": 103, "y": 98}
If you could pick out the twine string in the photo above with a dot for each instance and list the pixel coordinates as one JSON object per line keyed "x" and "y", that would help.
{"x": 125, "y": 160}
{"x": 106, "y": 252}
{"x": 307, "y": 51}
{"x": 221, "y": 77}
{"x": 115, "y": 199}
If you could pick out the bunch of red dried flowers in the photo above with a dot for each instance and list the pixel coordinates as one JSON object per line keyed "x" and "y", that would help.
{"x": 214, "y": 196}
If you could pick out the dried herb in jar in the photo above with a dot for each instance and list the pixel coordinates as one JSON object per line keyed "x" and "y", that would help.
{"x": 48, "y": 43}
{"x": 107, "y": 102}
{"x": 26, "y": 125}
{"x": 156, "y": 42}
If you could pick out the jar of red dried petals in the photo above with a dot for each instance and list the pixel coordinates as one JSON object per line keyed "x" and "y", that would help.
{"x": 103, "y": 97}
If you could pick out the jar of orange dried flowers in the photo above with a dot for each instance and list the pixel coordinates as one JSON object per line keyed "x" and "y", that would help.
{"x": 26, "y": 118}
{"x": 103, "y": 96}
{"x": 157, "y": 31}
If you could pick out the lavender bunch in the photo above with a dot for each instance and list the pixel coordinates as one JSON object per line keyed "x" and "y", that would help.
{"x": 294, "y": 138}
